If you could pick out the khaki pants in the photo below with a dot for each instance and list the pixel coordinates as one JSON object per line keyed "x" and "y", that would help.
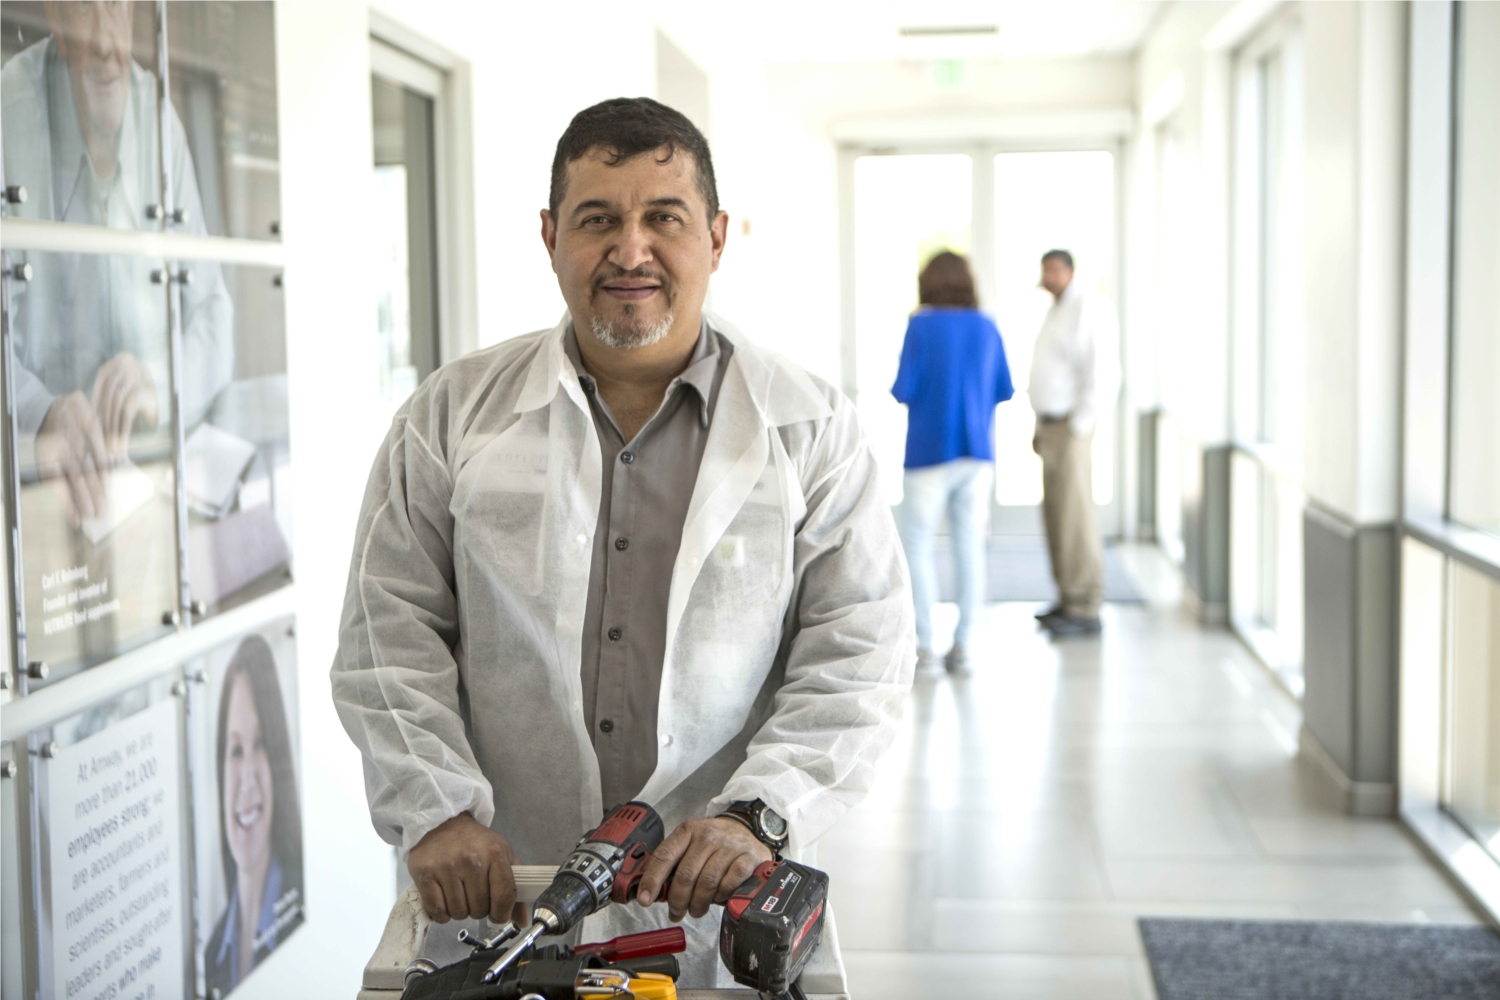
{"x": 1073, "y": 539}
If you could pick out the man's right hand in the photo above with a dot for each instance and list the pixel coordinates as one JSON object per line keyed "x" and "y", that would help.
{"x": 463, "y": 870}
{"x": 70, "y": 445}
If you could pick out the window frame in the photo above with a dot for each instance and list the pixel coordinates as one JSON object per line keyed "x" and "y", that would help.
{"x": 410, "y": 59}
{"x": 1432, "y": 543}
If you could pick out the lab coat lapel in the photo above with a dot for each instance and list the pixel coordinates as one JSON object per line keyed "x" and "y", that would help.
{"x": 732, "y": 462}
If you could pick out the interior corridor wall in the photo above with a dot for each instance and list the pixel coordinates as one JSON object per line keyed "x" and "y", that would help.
{"x": 1356, "y": 65}
{"x": 1177, "y": 269}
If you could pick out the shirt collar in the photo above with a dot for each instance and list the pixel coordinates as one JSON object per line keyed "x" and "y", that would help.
{"x": 76, "y": 188}
{"x": 702, "y": 367}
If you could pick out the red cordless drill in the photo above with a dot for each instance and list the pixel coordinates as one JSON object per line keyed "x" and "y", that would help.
{"x": 607, "y": 864}
{"x": 771, "y": 926}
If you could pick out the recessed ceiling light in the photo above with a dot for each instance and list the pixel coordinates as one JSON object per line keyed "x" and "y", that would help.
{"x": 940, "y": 30}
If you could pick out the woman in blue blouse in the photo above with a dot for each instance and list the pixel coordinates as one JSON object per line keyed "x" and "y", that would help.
{"x": 953, "y": 374}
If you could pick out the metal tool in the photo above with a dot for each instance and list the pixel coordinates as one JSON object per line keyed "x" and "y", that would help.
{"x": 507, "y": 931}
{"x": 607, "y": 864}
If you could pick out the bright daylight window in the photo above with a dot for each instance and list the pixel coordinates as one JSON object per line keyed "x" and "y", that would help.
{"x": 1266, "y": 480}
{"x": 1474, "y": 460}
{"x": 404, "y": 221}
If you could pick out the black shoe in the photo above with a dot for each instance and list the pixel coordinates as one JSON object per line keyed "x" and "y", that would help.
{"x": 1064, "y": 625}
{"x": 1053, "y": 612}
{"x": 956, "y": 662}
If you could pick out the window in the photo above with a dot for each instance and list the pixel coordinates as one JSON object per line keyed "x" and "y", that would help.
{"x": 405, "y": 94}
{"x": 1474, "y": 457}
{"x": 906, "y": 209}
{"x": 1267, "y": 344}
{"x": 1450, "y": 586}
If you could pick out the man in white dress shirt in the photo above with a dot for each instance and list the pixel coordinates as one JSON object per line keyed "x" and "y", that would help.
{"x": 1074, "y": 376}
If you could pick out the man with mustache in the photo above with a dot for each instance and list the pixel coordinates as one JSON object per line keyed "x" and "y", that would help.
{"x": 636, "y": 556}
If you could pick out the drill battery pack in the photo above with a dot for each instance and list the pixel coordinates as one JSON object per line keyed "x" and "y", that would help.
{"x": 771, "y": 926}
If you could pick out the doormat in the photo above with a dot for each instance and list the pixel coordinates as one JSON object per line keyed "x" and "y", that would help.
{"x": 1022, "y": 571}
{"x": 1315, "y": 960}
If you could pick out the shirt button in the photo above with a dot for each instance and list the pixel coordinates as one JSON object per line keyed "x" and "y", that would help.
{"x": 615, "y": 633}
{"x": 666, "y": 739}
{"x": 622, "y": 544}
{"x": 606, "y": 726}
{"x": 627, "y": 457}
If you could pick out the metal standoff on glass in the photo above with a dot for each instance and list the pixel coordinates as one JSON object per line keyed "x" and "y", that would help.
{"x": 15, "y": 194}
{"x": 37, "y": 670}
{"x": 179, "y": 216}
{"x": 21, "y": 272}
{"x": 275, "y": 227}
{"x": 153, "y": 211}
{"x": 184, "y": 277}
{"x": 198, "y": 608}
{"x": 179, "y": 689}
{"x": 9, "y": 769}
{"x": 4, "y": 680}
{"x": 49, "y": 749}
{"x": 158, "y": 276}
{"x": 169, "y": 618}
{"x": 276, "y": 280}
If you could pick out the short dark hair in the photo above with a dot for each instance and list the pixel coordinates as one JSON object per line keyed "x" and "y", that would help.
{"x": 1062, "y": 255}
{"x": 947, "y": 281}
{"x": 629, "y": 127}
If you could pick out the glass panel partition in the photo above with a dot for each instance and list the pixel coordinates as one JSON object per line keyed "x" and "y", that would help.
{"x": 80, "y": 121}
{"x": 236, "y": 460}
{"x": 93, "y": 408}
{"x": 222, "y": 62}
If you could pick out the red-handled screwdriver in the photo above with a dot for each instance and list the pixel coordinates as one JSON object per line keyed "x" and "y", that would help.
{"x": 667, "y": 941}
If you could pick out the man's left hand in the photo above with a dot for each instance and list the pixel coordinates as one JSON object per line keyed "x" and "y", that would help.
{"x": 712, "y": 857}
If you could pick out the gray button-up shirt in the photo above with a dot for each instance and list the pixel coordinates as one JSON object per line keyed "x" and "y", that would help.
{"x": 647, "y": 486}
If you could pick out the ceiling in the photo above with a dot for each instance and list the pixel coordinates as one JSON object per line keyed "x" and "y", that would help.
{"x": 831, "y": 31}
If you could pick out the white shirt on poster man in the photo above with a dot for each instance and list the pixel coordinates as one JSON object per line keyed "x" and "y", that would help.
{"x": 1075, "y": 365}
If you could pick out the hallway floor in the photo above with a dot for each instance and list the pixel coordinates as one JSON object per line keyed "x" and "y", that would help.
{"x": 1027, "y": 815}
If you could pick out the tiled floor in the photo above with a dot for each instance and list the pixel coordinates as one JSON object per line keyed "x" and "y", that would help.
{"x": 1027, "y": 815}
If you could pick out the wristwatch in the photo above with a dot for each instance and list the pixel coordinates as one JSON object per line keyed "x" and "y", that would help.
{"x": 763, "y": 821}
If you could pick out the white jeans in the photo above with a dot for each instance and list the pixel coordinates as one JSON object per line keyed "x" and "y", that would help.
{"x": 962, "y": 486}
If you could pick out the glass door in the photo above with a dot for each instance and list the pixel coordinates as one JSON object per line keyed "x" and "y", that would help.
{"x": 906, "y": 209}
{"x": 1002, "y": 210}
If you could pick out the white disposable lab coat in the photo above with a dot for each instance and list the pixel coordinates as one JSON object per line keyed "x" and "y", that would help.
{"x": 790, "y": 629}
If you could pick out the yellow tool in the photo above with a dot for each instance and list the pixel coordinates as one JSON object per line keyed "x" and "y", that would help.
{"x": 617, "y": 983}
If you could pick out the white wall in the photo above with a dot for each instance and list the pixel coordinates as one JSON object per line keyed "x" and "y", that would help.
{"x": 323, "y": 79}
{"x": 1355, "y": 184}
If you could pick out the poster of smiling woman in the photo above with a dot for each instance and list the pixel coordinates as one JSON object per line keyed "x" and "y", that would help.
{"x": 247, "y": 815}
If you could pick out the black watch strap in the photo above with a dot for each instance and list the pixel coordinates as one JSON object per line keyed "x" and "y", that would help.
{"x": 751, "y": 814}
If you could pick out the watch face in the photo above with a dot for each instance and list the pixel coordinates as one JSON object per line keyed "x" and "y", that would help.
{"x": 772, "y": 824}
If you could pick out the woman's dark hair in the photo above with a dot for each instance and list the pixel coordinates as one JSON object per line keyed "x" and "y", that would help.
{"x": 947, "y": 281}
{"x": 254, "y": 662}
{"x": 629, "y": 127}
